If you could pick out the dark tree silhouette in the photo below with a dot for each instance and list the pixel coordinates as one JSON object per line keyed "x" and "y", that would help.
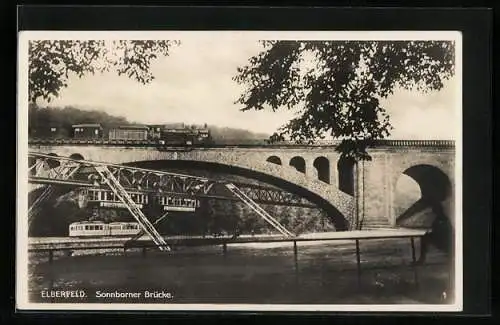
{"x": 51, "y": 61}
{"x": 337, "y": 85}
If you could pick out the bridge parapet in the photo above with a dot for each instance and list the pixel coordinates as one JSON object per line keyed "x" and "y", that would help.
{"x": 376, "y": 143}
{"x": 242, "y": 144}
{"x": 415, "y": 143}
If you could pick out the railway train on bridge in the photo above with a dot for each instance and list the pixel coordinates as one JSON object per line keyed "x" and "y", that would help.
{"x": 160, "y": 134}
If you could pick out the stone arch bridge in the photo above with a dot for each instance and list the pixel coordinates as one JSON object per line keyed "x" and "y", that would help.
{"x": 315, "y": 172}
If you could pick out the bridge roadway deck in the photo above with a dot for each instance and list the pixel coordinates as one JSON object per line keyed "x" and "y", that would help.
{"x": 72, "y": 243}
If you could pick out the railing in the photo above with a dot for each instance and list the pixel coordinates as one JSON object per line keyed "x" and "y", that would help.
{"x": 415, "y": 143}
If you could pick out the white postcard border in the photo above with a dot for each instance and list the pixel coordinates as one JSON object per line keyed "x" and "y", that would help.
{"x": 24, "y": 37}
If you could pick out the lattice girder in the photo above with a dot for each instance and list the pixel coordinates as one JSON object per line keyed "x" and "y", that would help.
{"x": 271, "y": 195}
{"x": 151, "y": 180}
{"x": 53, "y": 167}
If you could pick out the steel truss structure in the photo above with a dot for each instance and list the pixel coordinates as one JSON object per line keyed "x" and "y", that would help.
{"x": 261, "y": 212}
{"x": 108, "y": 177}
{"x": 273, "y": 196}
{"x": 55, "y": 171}
{"x": 128, "y": 177}
{"x": 46, "y": 168}
{"x": 134, "y": 179}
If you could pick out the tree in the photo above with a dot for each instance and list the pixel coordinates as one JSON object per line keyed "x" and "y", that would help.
{"x": 337, "y": 85}
{"x": 51, "y": 61}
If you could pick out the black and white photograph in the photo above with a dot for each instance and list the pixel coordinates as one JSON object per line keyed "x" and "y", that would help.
{"x": 239, "y": 170}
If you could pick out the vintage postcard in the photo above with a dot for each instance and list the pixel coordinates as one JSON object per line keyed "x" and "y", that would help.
{"x": 239, "y": 171}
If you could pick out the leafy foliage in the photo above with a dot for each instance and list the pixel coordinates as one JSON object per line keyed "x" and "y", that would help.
{"x": 51, "y": 61}
{"x": 336, "y": 86}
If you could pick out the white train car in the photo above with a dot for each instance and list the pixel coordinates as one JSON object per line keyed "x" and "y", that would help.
{"x": 124, "y": 228}
{"x": 101, "y": 229}
{"x": 88, "y": 229}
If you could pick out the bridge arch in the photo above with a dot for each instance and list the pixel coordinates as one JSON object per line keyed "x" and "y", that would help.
{"x": 298, "y": 163}
{"x": 322, "y": 166}
{"x": 274, "y": 159}
{"x": 53, "y": 163}
{"x": 338, "y": 219}
{"x": 434, "y": 184}
{"x": 432, "y": 208}
{"x": 345, "y": 168}
{"x": 77, "y": 156}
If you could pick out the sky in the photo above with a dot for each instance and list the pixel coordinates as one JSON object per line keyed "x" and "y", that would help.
{"x": 194, "y": 85}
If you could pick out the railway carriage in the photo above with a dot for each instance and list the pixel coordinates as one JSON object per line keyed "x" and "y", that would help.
{"x": 101, "y": 229}
{"x": 49, "y": 132}
{"x": 87, "y": 131}
{"x": 124, "y": 228}
{"x": 88, "y": 229}
{"x": 105, "y": 198}
{"x": 132, "y": 133}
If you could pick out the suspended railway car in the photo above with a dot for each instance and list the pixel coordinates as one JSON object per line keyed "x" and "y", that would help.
{"x": 101, "y": 229}
{"x": 107, "y": 199}
{"x": 104, "y": 198}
